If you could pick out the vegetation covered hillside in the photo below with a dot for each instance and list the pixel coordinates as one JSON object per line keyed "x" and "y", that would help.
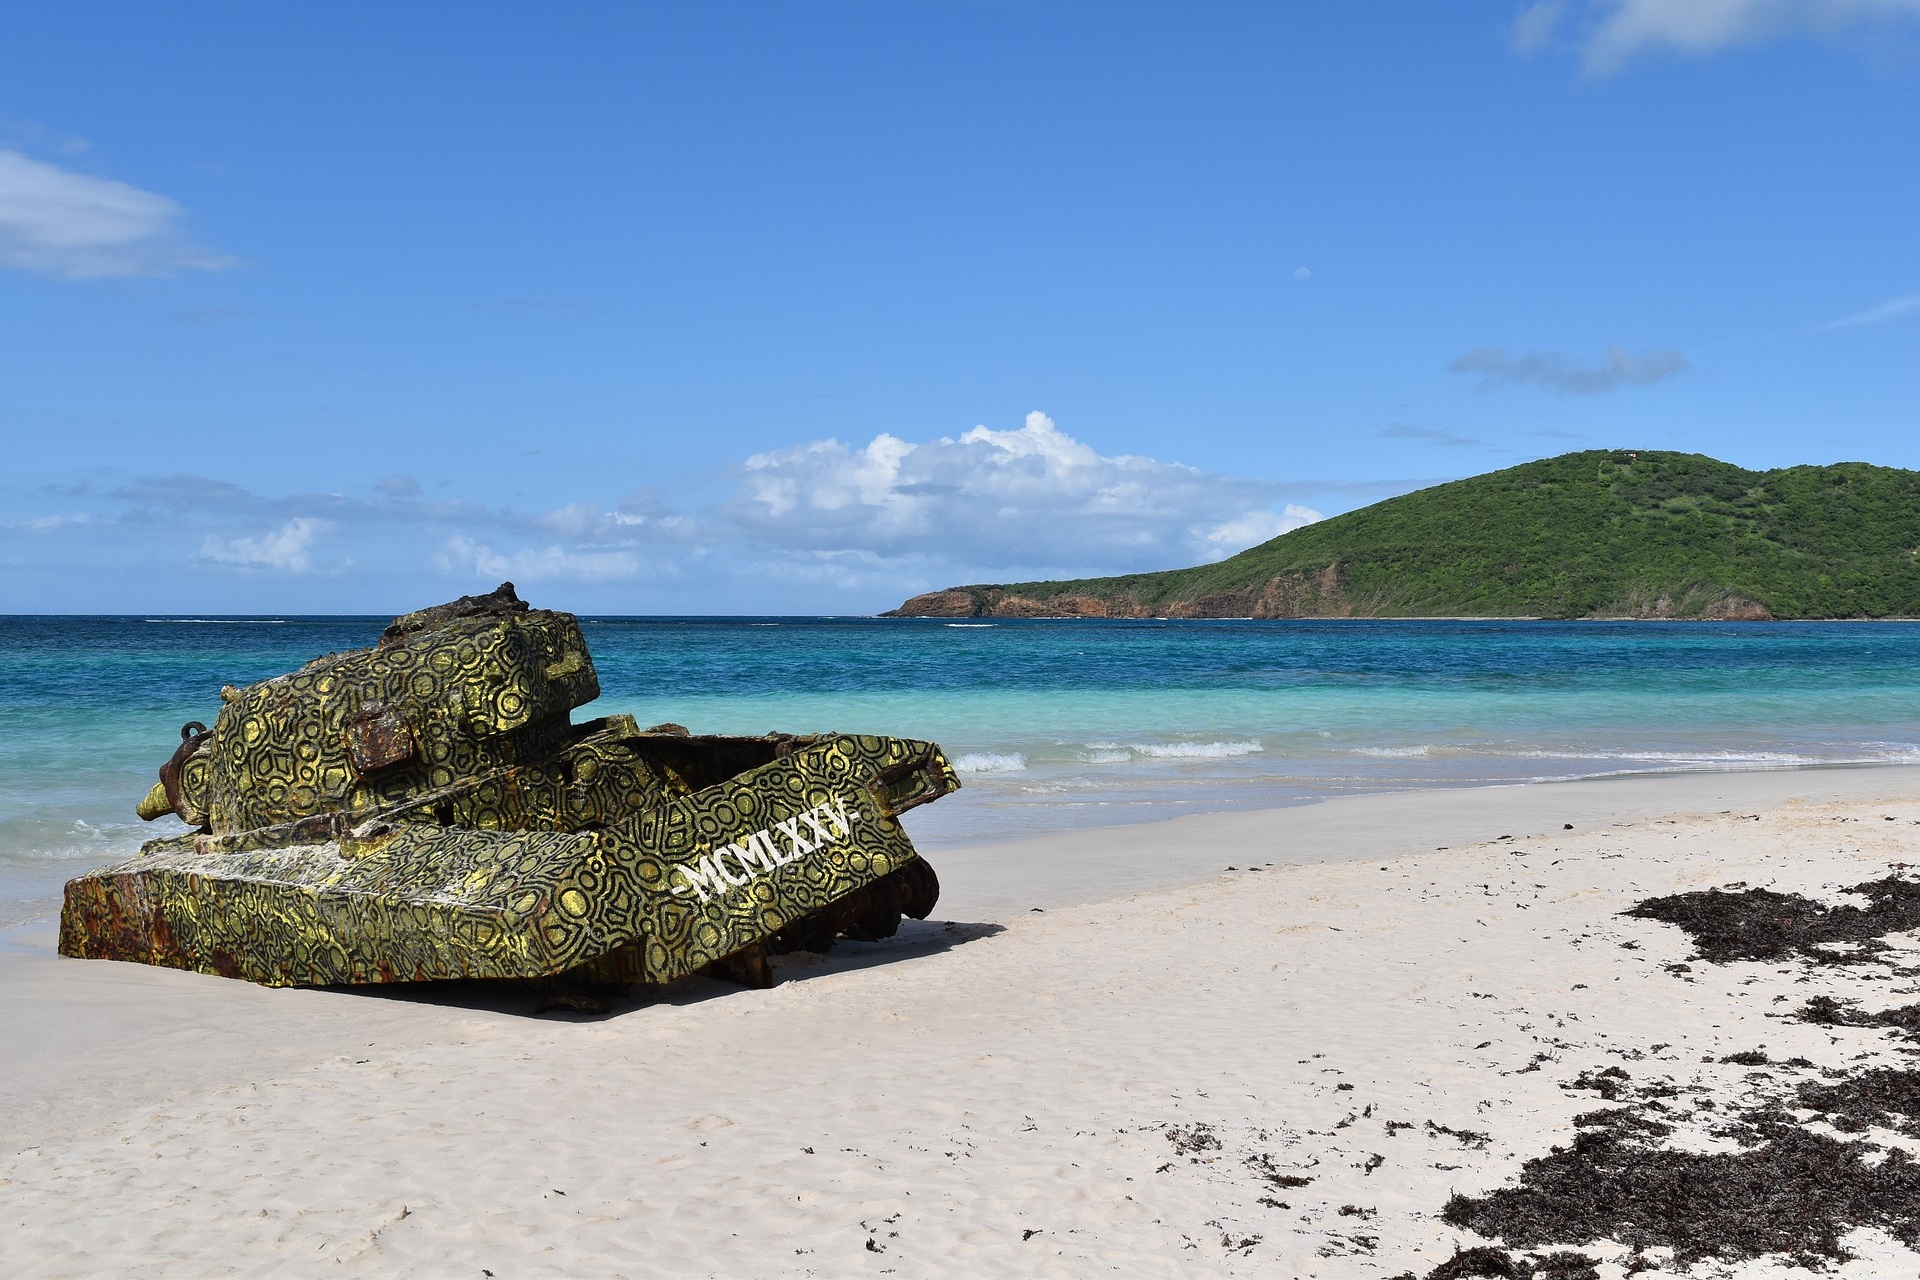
{"x": 1605, "y": 533}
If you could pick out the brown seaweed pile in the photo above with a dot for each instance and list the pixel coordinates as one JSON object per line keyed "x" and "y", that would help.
{"x": 1829, "y": 1012}
{"x": 1486, "y": 1261}
{"x": 1885, "y": 1096}
{"x": 1796, "y": 1193}
{"x": 1760, "y": 924}
{"x": 1792, "y": 1188}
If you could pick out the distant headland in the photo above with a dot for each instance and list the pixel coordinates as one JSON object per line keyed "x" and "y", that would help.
{"x": 1597, "y": 534}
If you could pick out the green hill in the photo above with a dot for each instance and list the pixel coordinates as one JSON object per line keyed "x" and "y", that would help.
{"x": 1605, "y": 533}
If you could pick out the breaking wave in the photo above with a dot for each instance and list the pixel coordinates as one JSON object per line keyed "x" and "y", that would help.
{"x": 1193, "y": 750}
{"x": 1106, "y": 755}
{"x": 990, "y": 762}
{"x": 29, "y": 842}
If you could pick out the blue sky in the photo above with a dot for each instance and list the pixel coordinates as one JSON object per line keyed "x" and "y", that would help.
{"x": 781, "y": 308}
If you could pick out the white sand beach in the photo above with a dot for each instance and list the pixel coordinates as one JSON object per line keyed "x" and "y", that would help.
{"x": 1107, "y": 1054}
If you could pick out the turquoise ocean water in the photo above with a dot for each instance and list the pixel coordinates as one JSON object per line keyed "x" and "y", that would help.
{"x": 1053, "y": 724}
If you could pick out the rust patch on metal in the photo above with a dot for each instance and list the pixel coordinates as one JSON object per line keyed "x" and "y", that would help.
{"x": 909, "y": 785}
{"x": 378, "y": 738}
{"x": 193, "y": 738}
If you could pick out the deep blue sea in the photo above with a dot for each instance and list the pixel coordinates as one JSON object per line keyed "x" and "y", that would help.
{"x": 1052, "y": 723}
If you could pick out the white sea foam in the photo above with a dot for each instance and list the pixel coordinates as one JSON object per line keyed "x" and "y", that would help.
{"x": 990, "y": 762}
{"x": 1194, "y": 750}
{"x": 968, "y": 626}
{"x": 1106, "y": 755}
{"x": 40, "y": 842}
{"x": 1392, "y": 752}
{"x": 1892, "y": 752}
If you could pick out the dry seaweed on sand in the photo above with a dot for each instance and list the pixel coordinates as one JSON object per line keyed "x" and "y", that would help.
{"x": 1486, "y": 1260}
{"x": 1829, "y": 1012}
{"x": 1761, "y": 924}
{"x": 1193, "y": 1140}
{"x": 1885, "y": 1096}
{"x": 1465, "y": 1137}
{"x": 1796, "y": 1193}
{"x": 1790, "y": 1190}
{"x": 1610, "y": 1083}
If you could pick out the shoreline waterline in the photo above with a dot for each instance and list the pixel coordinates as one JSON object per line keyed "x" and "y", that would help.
{"x": 1072, "y": 865}
{"x": 1075, "y": 867}
{"x": 1055, "y": 725}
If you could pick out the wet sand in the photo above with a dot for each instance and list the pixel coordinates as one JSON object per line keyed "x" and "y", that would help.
{"x": 1168, "y": 1068}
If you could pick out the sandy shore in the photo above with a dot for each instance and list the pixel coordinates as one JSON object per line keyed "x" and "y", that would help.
{"x": 1132, "y": 1079}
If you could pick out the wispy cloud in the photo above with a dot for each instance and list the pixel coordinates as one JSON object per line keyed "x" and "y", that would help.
{"x": 1610, "y": 33}
{"x": 1557, "y": 371}
{"x": 61, "y": 223}
{"x": 881, "y": 517}
{"x": 288, "y": 549}
{"x": 398, "y": 486}
{"x": 44, "y": 523}
{"x": 1536, "y": 25}
{"x": 1891, "y": 309}
{"x": 31, "y": 135}
{"x": 181, "y": 489}
{"x": 1432, "y": 435}
{"x": 464, "y": 557}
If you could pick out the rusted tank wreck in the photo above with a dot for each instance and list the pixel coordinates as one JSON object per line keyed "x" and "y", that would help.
{"x": 425, "y": 809}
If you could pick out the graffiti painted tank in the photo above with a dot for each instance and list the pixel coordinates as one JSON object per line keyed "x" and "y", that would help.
{"x": 427, "y": 809}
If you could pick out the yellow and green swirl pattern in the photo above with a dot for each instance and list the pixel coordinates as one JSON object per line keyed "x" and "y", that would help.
{"x": 425, "y": 810}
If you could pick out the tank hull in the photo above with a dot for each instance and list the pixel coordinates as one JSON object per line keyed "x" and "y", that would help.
{"x": 745, "y": 861}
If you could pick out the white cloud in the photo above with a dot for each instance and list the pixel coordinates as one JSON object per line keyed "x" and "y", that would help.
{"x": 1258, "y": 526}
{"x": 1560, "y": 372}
{"x": 579, "y": 521}
{"x": 1891, "y": 309}
{"x": 465, "y": 556}
{"x": 46, "y": 523}
{"x": 1611, "y": 32}
{"x": 286, "y": 549}
{"x": 61, "y": 223}
{"x": 819, "y": 521}
{"x": 1030, "y": 499}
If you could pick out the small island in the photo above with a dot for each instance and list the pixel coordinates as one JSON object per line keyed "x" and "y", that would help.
{"x": 1603, "y": 533}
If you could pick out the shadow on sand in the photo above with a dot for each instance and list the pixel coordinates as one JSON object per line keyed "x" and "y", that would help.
{"x": 525, "y": 998}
